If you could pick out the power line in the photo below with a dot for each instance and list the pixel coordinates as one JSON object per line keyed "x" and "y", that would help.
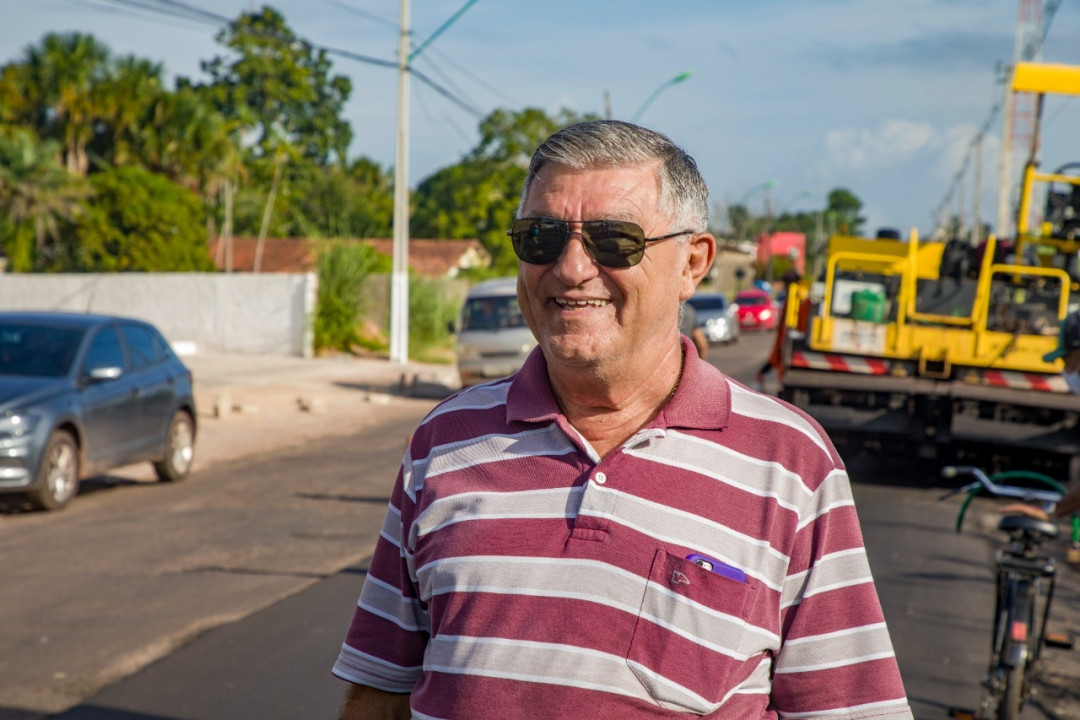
{"x": 362, "y": 13}
{"x": 973, "y": 146}
{"x": 448, "y": 81}
{"x": 443, "y": 119}
{"x": 475, "y": 78}
{"x": 175, "y": 8}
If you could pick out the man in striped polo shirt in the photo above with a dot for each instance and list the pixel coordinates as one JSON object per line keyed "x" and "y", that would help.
{"x": 618, "y": 530}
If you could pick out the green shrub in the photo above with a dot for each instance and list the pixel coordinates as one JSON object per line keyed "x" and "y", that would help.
{"x": 430, "y": 314}
{"x": 343, "y": 271}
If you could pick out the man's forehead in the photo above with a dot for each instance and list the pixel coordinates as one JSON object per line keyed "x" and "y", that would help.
{"x": 557, "y": 182}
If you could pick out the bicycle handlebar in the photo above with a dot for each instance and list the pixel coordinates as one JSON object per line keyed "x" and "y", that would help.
{"x": 1046, "y": 498}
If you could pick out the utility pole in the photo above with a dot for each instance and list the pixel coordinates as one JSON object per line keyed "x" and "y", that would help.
{"x": 399, "y": 277}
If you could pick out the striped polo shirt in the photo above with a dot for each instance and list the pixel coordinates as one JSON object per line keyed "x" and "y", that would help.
{"x": 712, "y": 565}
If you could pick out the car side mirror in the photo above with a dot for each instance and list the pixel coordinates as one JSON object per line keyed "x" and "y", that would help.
{"x": 102, "y": 374}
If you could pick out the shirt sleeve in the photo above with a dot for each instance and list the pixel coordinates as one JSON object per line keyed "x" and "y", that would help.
{"x": 384, "y": 647}
{"x": 836, "y": 658}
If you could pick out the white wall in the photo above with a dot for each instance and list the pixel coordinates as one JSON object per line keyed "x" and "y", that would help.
{"x": 266, "y": 314}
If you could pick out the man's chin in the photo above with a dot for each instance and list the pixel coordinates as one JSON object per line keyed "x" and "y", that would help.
{"x": 573, "y": 350}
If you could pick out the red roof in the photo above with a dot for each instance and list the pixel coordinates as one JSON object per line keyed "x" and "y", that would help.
{"x": 430, "y": 258}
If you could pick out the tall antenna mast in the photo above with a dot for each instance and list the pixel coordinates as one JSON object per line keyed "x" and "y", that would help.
{"x": 1019, "y": 114}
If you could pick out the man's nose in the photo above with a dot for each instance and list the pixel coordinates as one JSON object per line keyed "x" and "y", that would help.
{"x": 575, "y": 263}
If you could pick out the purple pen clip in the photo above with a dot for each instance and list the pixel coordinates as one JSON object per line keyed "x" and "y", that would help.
{"x": 714, "y": 565}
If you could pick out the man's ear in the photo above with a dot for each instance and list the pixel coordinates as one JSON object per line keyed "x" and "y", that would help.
{"x": 701, "y": 252}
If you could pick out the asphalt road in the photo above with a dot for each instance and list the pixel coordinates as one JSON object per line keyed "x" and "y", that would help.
{"x": 300, "y": 564}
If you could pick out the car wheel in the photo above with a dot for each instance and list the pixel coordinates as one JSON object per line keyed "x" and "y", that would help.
{"x": 179, "y": 449}
{"x": 58, "y": 474}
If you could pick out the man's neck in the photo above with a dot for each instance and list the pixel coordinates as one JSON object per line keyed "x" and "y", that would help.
{"x": 608, "y": 410}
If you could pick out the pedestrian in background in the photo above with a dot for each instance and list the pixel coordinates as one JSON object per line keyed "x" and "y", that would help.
{"x": 618, "y": 530}
{"x": 689, "y": 326}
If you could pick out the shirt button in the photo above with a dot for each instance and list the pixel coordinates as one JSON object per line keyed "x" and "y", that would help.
{"x": 600, "y": 478}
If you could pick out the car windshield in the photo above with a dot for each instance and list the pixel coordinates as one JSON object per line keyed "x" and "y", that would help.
{"x": 491, "y": 313}
{"x": 751, "y": 300}
{"x": 716, "y": 302}
{"x": 37, "y": 351}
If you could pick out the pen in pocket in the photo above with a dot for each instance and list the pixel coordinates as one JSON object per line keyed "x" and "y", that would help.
{"x": 720, "y": 568}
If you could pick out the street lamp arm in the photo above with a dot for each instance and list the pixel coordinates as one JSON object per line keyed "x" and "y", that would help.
{"x": 681, "y": 77}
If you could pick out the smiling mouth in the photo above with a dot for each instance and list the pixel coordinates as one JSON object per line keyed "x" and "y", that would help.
{"x": 580, "y": 304}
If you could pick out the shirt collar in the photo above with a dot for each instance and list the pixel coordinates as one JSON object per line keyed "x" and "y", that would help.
{"x": 702, "y": 400}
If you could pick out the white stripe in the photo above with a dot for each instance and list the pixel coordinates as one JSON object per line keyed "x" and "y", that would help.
{"x": 404, "y": 604}
{"x": 850, "y": 502}
{"x": 838, "y": 586}
{"x": 835, "y": 664}
{"x": 363, "y": 657}
{"x": 557, "y": 510}
{"x": 743, "y": 402}
{"x": 672, "y": 517}
{"x": 585, "y": 654}
{"x": 805, "y": 589}
{"x": 492, "y": 562}
{"x": 836, "y": 634}
{"x": 496, "y": 447}
{"x": 724, "y": 455}
{"x": 477, "y": 397}
{"x": 900, "y": 704}
{"x": 391, "y": 527}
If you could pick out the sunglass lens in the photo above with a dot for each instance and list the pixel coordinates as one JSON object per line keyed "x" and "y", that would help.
{"x": 538, "y": 241}
{"x": 616, "y": 244}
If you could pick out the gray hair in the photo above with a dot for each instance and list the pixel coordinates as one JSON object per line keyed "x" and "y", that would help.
{"x": 613, "y": 143}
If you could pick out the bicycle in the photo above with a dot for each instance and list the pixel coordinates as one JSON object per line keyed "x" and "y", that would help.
{"x": 1025, "y": 584}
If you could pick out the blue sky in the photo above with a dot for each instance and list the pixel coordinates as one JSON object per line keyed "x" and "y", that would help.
{"x": 880, "y": 96}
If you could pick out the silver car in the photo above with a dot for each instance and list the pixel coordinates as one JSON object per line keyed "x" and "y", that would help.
{"x": 83, "y": 394}
{"x": 717, "y": 316}
{"x": 492, "y": 337}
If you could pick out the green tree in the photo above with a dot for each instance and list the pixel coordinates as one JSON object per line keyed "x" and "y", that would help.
{"x": 140, "y": 221}
{"x": 280, "y": 87}
{"x": 336, "y": 202}
{"x": 185, "y": 138}
{"x": 130, "y": 88}
{"x": 845, "y": 207}
{"x": 477, "y": 197}
{"x": 55, "y": 90}
{"x": 35, "y": 193}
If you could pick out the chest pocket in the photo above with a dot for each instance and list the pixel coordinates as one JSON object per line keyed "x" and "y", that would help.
{"x": 685, "y": 646}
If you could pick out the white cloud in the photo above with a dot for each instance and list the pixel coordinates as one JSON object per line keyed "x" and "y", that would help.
{"x": 893, "y": 141}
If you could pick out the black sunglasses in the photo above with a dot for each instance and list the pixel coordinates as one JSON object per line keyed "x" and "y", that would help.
{"x": 612, "y": 243}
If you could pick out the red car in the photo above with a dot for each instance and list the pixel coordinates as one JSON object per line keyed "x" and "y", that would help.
{"x": 757, "y": 311}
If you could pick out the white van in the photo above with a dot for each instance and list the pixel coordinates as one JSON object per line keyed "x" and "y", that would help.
{"x": 492, "y": 337}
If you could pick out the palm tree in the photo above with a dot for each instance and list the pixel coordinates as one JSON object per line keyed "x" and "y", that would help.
{"x": 125, "y": 98}
{"x": 63, "y": 77}
{"x": 35, "y": 191}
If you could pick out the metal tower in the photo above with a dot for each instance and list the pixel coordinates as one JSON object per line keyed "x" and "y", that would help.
{"x": 1019, "y": 114}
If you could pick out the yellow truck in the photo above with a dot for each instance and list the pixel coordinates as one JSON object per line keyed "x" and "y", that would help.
{"x": 935, "y": 350}
{"x": 901, "y": 358}
{"x": 1053, "y": 240}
